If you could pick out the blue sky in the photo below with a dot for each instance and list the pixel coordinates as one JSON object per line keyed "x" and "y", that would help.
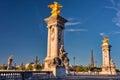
{"x": 23, "y": 31}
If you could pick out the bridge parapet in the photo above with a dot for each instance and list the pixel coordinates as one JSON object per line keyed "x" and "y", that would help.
{"x": 23, "y": 75}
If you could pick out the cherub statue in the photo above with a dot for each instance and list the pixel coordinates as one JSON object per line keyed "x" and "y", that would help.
{"x": 63, "y": 56}
{"x": 55, "y": 8}
{"x": 10, "y": 57}
{"x": 66, "y": 62}
{"x": 105, "y": 40}
{"x": 62, "y": 53}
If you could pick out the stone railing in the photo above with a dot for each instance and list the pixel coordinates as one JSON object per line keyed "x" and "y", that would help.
{"x": 23, "y": 75}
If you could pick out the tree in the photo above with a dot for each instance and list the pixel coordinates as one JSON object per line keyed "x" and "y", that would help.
{"x": 117, "y": 70}
{"x": 21, "y": 67}
{"x": 70, "y": 68}
{"x": 97, "y": 69}
{"x": 3, "y": 67}
{"x": 79, "y": 68}
{"x": 85, "y": 69}
{"x": 39, "y": 66}
{"x": 29, "y": 67}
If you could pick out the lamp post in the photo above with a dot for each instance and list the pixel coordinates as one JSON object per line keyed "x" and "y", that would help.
{"x": 74, "y": 64}
{"x": 74, "y": 60}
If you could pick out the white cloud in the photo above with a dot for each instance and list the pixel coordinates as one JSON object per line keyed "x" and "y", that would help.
{"x": 73, "y": 19}
{"x": 117, "y": 19}
{"x": 102, "y": 34}
{"x": 74, "y": 30}
{"x": 113, "y": 5}
{"x": 116, "y": 7}
{"x": 115, "y": 32}
{"x": 110, "y": 33}
{"x": 72, "y": 23}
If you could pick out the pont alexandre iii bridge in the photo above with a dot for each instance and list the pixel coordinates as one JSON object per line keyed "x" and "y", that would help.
{"x": 48, "y": 75}
{"x": 56, "y": 62}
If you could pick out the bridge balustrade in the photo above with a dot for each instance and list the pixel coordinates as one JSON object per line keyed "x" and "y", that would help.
{"x": 23, "y": 75}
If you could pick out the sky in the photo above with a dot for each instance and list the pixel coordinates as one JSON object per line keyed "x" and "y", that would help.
{"x": 23, "y": 31}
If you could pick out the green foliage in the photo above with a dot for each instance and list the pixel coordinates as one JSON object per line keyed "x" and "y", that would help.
{"x": 81, "y": 69}
{"x": 84, "y": 69}
{"x": 21, "y": 67}
{"x": 117, "y": 70}
{"x": 29, "y": 67}
{"x": 39, "y": 66}
{"x": 95, "y": 69}
{"x": 3, "y": 67}
{"x": 70, "y": 68}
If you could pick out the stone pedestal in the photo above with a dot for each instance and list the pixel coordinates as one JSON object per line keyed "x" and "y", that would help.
{"x": 106, "y": 70}
{"x": 58, "y": 71}
{"x": 9, "y": 67}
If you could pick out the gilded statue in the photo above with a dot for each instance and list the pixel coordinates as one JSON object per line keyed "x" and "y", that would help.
{"x": 105, "y": 40}
{"x": 10, "y": 57}
{"x": 55, "y": 8}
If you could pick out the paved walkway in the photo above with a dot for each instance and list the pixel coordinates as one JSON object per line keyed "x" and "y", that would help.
{"x": 94, "y": 77}
{"x": 86, "y": 77}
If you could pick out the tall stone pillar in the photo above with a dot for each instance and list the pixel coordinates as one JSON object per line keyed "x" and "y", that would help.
{"x": 56, "y": 58}
{"x": 10, "y": 59}
{"x": 108, "y": 66}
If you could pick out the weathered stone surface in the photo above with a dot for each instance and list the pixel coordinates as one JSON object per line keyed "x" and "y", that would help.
{"x": 108, "y": 66}
{"x": 60, "y": 71}
{"x": 10, "y": 59}
{"x": 56, "y": 59}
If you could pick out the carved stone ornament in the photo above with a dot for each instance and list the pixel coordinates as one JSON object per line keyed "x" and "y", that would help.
{"x": 52, "y": 33}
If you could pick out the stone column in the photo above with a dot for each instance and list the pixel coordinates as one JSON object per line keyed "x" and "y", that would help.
{"x": 107, "y": 65}
{"x": 55, "y": 40}
{"x": 54, "y": 23}
{"x": 49, "y": 39}
{"x": 10, "y": 59}
{"x": 55, "y": 51}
